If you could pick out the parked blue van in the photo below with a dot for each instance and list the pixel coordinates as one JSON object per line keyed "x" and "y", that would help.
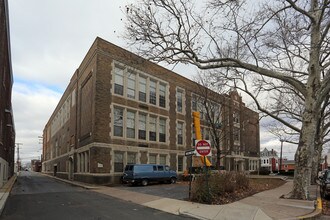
{"x": 146, "y": 173}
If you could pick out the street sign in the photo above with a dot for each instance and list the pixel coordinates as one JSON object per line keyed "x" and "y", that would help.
{"x": 190, "y": 152}
{"x": 203, "y": 148}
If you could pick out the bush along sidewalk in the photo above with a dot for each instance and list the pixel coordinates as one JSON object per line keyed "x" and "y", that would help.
{"x": 209, "y": 188}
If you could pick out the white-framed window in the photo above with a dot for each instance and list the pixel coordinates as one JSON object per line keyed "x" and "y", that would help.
{"x": 152, "y": 159}
{"x": 236, "y": 117}
{"x": 83, "y": 162}
{"x": 139, "y": 125}
{"x": 131, "y": 85}
{"x": 162, "y": 95}
{"x": 152, "y": 128}
{"x": 152, "y": 92}
{"x": 119, "y": 162}
{"x": 131, "y": 158}
{"x": 119, "y": 81}
{"x": 162, "y": 159}
{"x": 142, "y": 126}
{"x": 162, "y": 130}
{"x": 180, "y": 163}
{"x": 194, "y": 103}
{"x": 130, "y": 124}
{"x": 118, "y": 122}
{"x": 139, "y": 86}
{"x": 179, "y": 100}
{"x": 180, "y": 131}
{"x": 142, "y": 89}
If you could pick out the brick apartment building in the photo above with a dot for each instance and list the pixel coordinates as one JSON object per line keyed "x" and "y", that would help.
{"x": 7, "y": 128}
{"x": 120, "y": 108}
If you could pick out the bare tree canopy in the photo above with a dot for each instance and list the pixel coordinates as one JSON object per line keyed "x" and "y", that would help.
{"x": 277, "y": 46}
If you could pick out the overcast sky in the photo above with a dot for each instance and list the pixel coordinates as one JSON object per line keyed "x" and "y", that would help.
{"x": 49, "y": 39}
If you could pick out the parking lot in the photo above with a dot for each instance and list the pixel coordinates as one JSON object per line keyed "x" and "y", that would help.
{"x": 179, "y": 190}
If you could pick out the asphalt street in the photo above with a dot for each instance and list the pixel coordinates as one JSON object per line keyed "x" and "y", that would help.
{"x": 35, "y": 196}
{"x": 178, "y": 190}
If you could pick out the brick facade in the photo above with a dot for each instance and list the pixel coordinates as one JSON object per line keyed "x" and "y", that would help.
{"x": 120, "y": 108}
{"x": 7, "y": 128}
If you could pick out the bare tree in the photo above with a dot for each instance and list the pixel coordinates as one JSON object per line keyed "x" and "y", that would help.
{"x": 212, "y": 111}
{"x": 284, "y": 41}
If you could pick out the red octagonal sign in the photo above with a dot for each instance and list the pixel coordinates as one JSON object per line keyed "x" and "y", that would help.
{"x": 203, "y": 148}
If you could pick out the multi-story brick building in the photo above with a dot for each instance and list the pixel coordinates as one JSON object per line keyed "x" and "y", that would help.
{"x": 7, "y": 128}
{"x": 120, "y": 108}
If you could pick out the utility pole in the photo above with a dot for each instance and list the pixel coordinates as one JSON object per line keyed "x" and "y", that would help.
{"x": 18, "y": 159}
{"x": 281, "y": 155}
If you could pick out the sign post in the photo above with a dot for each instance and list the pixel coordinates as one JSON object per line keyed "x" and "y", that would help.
{"x": 190, "y": 153}
{"x": 203, "y": 148}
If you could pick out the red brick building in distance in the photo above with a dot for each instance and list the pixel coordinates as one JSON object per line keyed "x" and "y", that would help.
{"x": 120, "y": 108}
{"x": 7, "y": 128}
{"x": 36, "y": 165}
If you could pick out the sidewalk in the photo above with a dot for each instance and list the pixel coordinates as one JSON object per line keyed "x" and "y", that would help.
{"x": 261, "y": 206}
{"x": 5, "y": 191}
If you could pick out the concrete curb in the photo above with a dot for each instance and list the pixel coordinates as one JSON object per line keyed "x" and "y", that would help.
{"x": 318, "y": 207}
{"x": 5, "y": 191}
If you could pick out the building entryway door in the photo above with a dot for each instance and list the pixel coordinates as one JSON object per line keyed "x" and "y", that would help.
{"x": 70, "y": 168}
{"x": 55, "y": 170}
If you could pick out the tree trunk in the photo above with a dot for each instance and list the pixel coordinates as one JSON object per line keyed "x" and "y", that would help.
{"x": 218, "y": 164}
{"x": 308, "y": 136}
{"x": 304, "y": 157}
{"x": 217, "y": 142}
{"x": 316, "y": 162}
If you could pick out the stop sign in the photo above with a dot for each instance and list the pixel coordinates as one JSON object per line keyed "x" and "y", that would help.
{"x": 203, "y": 148}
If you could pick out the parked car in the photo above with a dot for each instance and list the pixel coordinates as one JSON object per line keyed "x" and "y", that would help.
{"x": 325, "y": 184}
{"x": 146, "y": 173}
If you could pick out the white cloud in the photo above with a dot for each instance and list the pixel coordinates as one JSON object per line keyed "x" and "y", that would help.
{"x": 49, "y": 39}
{"x": 32, "y": 106}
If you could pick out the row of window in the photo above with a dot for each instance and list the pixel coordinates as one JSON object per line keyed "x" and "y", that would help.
{"x": 61, "y": 117}
{"x": 198, "y": 104}
{"x": 253, "y": 165}
{"x": 119, "y": 160}
{"x": 144, "y": 89}
{"x": 266, "y": 161}
{"x": 139, "y": 87}
{"x": 143, "y": 126}
{"x": 83, "y": 162}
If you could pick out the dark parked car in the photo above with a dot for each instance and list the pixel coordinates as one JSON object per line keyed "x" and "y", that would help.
{"x": 145, "y": 173}
{"x": 325, "y": 183}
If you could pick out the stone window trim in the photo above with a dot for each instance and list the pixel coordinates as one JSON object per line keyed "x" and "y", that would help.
{"x": 137, "y": 133}
{"x": 181, "y": 167}
{"x": 158, "y": 158}
{"x": 198, "y": 105}
{"x": 83, "y": 162}
{"x": 180, "y": 141}
{"x": 142, "y": 96}
{"x": 127, "y": 156}
{"x": 180, "y": 100}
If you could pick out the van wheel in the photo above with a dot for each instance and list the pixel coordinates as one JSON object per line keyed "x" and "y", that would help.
{"x": 144, "y": 182}
{"x": 172, "y": 180}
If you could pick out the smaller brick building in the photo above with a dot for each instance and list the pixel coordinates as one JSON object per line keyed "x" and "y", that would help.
{"x": 120, "y": 109}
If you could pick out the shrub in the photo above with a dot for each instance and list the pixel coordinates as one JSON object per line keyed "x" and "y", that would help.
{"x": 264, "y": 171}
{"x": 218, "y": 184}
